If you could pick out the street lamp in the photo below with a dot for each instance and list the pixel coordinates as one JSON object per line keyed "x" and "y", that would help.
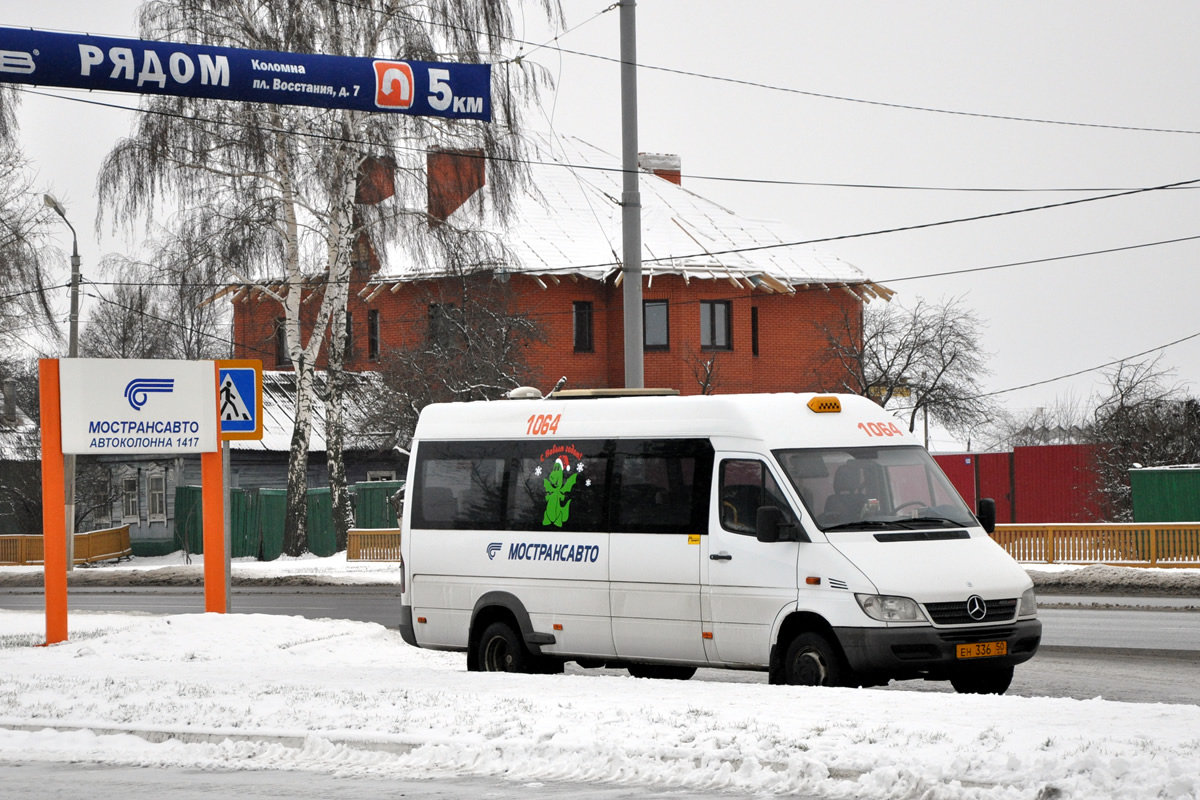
{"x": 72, "y": 352}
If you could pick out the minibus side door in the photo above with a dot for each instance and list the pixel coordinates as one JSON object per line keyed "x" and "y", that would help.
{"x": 659, "y": 508}
{"x": 747, "y": 583}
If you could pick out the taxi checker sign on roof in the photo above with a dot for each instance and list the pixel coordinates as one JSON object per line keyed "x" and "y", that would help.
{"x": 137, "y": 406}
{"x": 437, "y": 89}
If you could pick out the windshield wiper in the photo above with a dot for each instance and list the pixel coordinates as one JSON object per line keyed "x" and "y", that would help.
{"x": 864, "y": 524}
{"x": 925, "y": 522}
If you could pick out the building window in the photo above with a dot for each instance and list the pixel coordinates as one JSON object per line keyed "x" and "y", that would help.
{"x": 754, "y": 330}
{"x": 129, "y": 500}
{"x": 157, "y": 491}
{"x": 714, "y": 325}
{"x": 282, "y": 359}
{"x": 583, "y": 327}
{"x": 101, "y": 511}
{"x": 441, "y": 323}
{"x": 373, "y": 334}
{"x": 655, "y": 329}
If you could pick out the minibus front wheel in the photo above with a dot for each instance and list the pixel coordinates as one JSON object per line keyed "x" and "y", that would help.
{"x": 812, "y": 661}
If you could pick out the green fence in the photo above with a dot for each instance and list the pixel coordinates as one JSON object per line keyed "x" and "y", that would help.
{"x": 272, "y": 511}
{"x": 321, "y": 538}
{"x": 372, "y": 504}
{"x": 256, "y": 518}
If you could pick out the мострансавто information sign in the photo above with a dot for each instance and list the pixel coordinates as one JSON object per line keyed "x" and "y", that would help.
{"x": 79, "y": 61}
{"x": 137, "y": 406}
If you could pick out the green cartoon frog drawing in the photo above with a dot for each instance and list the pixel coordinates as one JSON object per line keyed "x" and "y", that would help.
{"x": 557, "y": 511}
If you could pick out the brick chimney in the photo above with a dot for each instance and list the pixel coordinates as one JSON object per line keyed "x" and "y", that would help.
{"x": 452, "y": 177}
{"x": 376, "y": 182}
{"x": 664, "y": 165}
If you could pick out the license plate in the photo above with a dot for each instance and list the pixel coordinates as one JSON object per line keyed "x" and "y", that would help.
{"x": 982, "y": 649}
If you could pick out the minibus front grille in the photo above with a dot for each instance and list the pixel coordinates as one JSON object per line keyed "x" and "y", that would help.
{"x": 964, "y": 637}
{"x": 957, "y": 613}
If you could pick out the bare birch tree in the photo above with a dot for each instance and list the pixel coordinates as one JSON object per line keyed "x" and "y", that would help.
{"x": 25, "y": 306}
{"x": 929, "y": 354}
{"x": 277, "y": 184}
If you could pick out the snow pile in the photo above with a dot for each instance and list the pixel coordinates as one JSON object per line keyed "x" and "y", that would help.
{"x": 260, "y": 691}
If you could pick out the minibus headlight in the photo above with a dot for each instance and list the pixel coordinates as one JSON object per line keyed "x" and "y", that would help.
{"x": 1028, "y": 606}
{"x": 887, "y": 608}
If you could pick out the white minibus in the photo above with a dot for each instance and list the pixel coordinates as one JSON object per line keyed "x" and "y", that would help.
{"x": 808, "y": 536}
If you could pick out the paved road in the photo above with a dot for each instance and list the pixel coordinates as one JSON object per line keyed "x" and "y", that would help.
{"x": 360, "y": 603}
{"x": 1065, "y": 624}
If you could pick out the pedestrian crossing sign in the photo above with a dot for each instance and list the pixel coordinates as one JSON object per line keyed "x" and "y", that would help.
{"x": 239, "y": 398}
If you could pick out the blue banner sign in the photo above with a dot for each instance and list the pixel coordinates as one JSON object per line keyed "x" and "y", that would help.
{"x": 461, "y": 91}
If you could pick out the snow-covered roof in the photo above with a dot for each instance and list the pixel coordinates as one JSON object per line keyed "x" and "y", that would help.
{"x": 20, "y": 438}
{"x": 279, "y": 413}
{"x": 568, "y": 222}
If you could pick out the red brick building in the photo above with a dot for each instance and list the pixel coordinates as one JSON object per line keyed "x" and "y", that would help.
{"x": 718, "y": 288}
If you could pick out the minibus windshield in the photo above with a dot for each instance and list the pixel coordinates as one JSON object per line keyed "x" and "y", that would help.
{"x": 869, "y": 488}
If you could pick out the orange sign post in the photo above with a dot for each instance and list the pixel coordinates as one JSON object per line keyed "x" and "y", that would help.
{"x": 54, "y": 514}
{"x": 212, "y": 501}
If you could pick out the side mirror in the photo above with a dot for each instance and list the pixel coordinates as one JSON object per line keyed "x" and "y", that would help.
{"x": 770, "y": 527}
{"x": 986, "y": 513}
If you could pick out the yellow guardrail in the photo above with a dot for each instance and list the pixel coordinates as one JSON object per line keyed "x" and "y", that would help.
{"x": 373, "y": 544}
{"x": 18, "y": 550}
{"x": 1127, "y": 544}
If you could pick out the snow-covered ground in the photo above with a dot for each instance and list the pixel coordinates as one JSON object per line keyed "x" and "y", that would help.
{"x": 273, "y": 692}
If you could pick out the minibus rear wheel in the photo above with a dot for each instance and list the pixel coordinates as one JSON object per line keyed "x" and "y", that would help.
{"x": 812, "y": 661}
{"x": 501, "y": 650}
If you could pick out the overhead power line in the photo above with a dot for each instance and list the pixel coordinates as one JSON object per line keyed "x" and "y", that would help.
{"x": 730, "y": 251}
{"x": 1096, "y": 368}
{"x": 776, "y": 88}
{"x": 88, "y": 100}
{"x": 790, "y": 90}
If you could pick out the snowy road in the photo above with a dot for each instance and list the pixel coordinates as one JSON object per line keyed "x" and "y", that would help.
{"x": 329, "y": 703}
{"x": 21, "y": 781}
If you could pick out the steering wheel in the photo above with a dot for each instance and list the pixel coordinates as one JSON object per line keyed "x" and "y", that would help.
{"x": 911, "y": 503}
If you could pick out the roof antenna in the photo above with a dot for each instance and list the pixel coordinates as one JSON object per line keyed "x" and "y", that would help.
{"x": 561, "y": 382}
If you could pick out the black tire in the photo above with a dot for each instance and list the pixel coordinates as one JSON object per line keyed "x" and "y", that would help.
{"x": 811, "y": 660}
{"x": 662, "y": 672}
{"x": 982, "y": 680}
{"x": 500, "y": 649}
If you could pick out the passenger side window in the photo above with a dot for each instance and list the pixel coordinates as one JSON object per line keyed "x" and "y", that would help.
{"x": 745, "y": 485}
{"x": 662, "y": 486}
{"x": 559, "y": 487}
{"x": 459, "y": 487}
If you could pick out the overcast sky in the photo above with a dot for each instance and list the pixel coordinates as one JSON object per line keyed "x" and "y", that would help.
{"x": 1095, "y": 63}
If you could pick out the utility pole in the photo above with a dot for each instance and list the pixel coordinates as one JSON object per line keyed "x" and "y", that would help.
{"x": 72, "y": 352}
{"x": 631, "y": 202}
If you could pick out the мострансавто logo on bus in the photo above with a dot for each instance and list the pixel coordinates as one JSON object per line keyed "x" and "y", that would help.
{"x": 540, "y": 551}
